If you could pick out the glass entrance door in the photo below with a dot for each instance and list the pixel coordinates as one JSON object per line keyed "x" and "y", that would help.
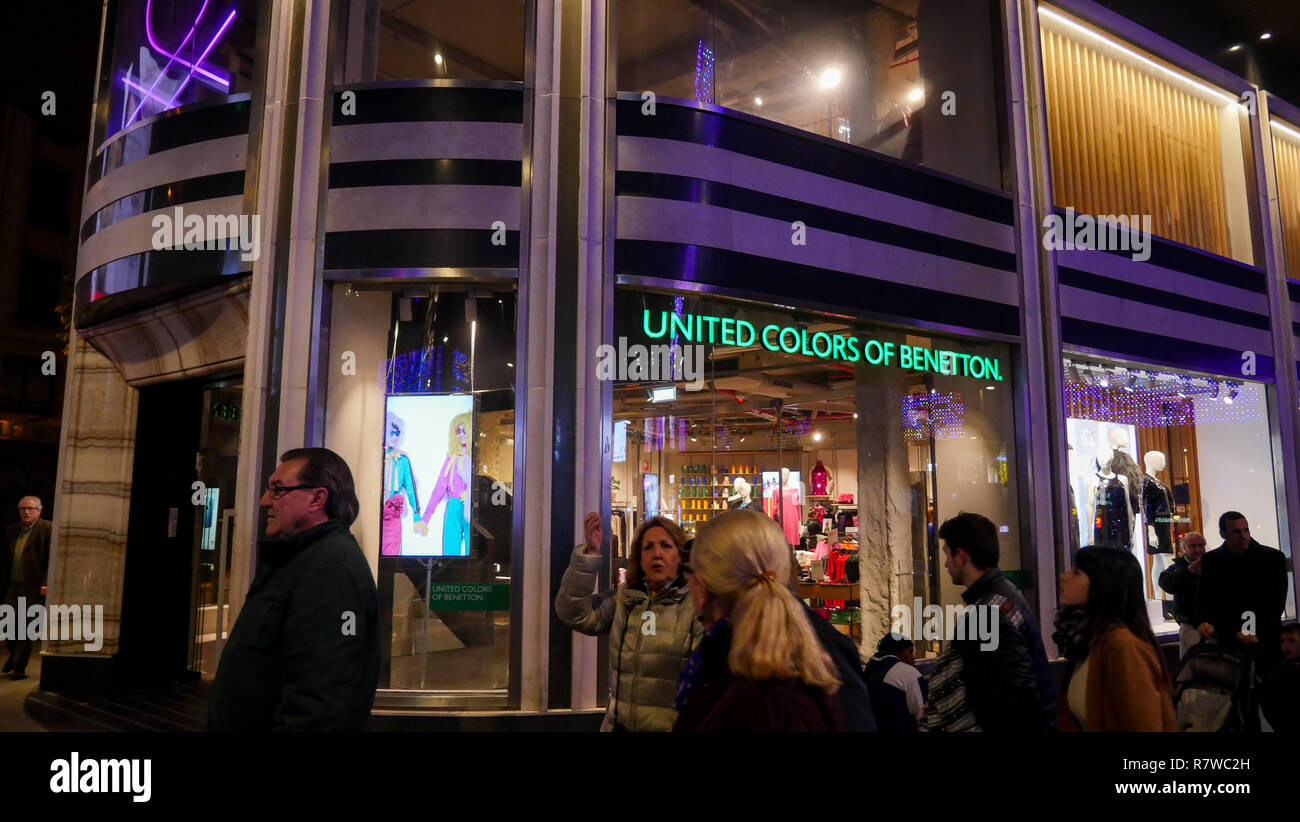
{"x": 216, "y": 465}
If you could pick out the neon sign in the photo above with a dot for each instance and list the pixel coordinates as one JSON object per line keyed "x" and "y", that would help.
{"x": 705, "y": 328}
{"x": 195, "y": 69}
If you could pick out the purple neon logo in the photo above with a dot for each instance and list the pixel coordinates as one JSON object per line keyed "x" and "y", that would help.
{"x": 195, "y": 68}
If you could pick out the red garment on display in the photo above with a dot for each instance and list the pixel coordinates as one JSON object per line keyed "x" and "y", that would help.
{"x": 790, "y": 515}
{"x": 819, "y": 477}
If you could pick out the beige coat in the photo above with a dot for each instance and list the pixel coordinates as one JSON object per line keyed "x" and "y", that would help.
{"x": 646, "y": 654}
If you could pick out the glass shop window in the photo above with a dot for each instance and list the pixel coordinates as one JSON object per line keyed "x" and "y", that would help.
{"x": 439, "y": 39}
{"x": 1132, "y": 137}
{"x": 422, "y": 406}
{"x": 920, "y": 82}
{"x": 858, "y": 440}
{"x": 1156, "y": 454}
{"x": 163, "y": 54}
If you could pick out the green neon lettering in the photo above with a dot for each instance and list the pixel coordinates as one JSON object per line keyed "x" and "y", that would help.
{"x": 852, "y": 348}
{"x": 770, "y": 346}
{"x": 712, "y": 321}
{"x": 976, "y": 361}
{"x": 931, "y": 360}
{"x": 728, "y": 332}
{"x": 685, "y": 328}
{"x": 793, "y": 333}
{"x": 837, "y": 347}
{"x": 663, "y": 323}
{"x": 993, "y": 370}
{"x": 803, "y": 343}
{"x": 741, "y": 326}
{"x": 880, "y": 352}
{"x": 905, "y": 356}
{"x": 826, "y": 338}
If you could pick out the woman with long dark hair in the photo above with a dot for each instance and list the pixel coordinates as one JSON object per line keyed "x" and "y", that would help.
{"x": 1116, "y": 679}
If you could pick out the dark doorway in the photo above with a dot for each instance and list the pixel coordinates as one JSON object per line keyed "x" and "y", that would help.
{"x": 157, "y": 586}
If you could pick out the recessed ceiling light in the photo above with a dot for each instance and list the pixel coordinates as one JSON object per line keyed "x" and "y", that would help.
{"x": 830, "y": 78}
{"x": 758, "y": 101}
{"x": 437, "y": 58}
{"x": 1266, "y": 35}
{"x": 1237, "y": 47}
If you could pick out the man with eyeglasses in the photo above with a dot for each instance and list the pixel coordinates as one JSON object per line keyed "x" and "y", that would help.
{"x": 1182, "y": 580}
{"x": 304, "y": 653}
{"x": 24, "y": 561}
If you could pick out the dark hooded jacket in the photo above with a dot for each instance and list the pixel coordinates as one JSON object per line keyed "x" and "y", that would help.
{"x": 304, "y": 653}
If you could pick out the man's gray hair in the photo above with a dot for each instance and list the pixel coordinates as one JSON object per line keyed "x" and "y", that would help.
{"x": 325, "y": 469}
{"x": 39, "y": 504}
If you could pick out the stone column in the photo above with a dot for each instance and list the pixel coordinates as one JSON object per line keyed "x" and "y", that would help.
{"x": 885, "y": 516}
{"x": 88, "y": 549}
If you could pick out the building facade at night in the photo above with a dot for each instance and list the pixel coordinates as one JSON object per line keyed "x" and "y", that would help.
{"x": 423, "y": 233}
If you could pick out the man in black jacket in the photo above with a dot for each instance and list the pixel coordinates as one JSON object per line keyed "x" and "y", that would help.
{"x": 304, "y": 653}
{"x": 1182, "y": 580}
{"x": 1243, "y": 593}
{"x": 1006, "y": 687}
{"x": 24, "y": 561}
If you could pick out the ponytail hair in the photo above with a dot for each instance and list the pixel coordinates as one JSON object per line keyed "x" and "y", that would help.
{"x": 741, "y": 557}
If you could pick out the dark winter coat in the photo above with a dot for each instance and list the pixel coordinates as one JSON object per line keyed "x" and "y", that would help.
{"x": 854, "y": 699}
{"x": 304, "y": 653}
{"x": 1233, "y": 584}
{"x": 1007, "y": 688}
{"x": 722, "y": 701}
{"x": 1183, "y": 585}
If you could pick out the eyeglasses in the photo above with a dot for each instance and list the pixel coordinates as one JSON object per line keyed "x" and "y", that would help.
{"x": 276, "y": 490}
{"x": 28, "y": 508}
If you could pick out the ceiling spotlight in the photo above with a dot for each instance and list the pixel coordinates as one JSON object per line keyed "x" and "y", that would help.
{"x": 1266, "y": 35}
{"x": 444, "y": 339}
{"x": 742, "y": 439}
{"x": 758, "y": 101}
{"x": 694, "y": 440}
{"x": 817, "y": 436}
{"x": 916, "y": 95}
{"x": 990, "y": 387}
{"x": 437, "y": 58}
{"x": 1235, "y": 48}
{"x": 830, "y": 78}
{"x": 510, "y": 365}
{"x": 855, "y": 415}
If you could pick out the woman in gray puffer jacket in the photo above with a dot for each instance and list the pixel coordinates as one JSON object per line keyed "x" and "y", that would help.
{"x": 650, "y": 620}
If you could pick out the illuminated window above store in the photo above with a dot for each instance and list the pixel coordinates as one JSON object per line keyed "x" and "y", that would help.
{"x": 1094, "y": 391}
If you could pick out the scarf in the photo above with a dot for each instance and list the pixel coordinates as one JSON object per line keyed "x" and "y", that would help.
{"x": 1069, "y": 635}
{"x": 689, "y": 674}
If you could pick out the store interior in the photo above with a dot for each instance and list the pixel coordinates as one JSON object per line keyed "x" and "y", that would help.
{"x": 1155, "y": 454}
{"x": 820, "y": 445}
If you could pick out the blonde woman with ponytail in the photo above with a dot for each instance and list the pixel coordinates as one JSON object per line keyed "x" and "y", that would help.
{"x": 760, "y": 666}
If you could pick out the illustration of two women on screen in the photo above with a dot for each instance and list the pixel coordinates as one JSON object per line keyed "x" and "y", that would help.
{"x": 452, "y": 488}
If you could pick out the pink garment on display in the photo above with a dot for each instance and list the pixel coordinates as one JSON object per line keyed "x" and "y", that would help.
{"x": 822, "y": 551}
{"x": 819, "y": 477}
{"x": 790, "y": 515}
{"x": 390, "y": 537}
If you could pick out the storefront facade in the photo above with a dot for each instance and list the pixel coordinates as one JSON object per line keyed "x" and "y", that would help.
{"x": 824, "y": 236}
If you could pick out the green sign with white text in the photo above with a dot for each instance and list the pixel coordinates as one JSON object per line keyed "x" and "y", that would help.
{"x": 469, "y": 596}
{"x": 704, "y": 328}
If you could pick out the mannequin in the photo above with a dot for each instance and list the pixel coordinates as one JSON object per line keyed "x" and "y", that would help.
{"x": 742, "y": 498}
{"x": 1158, "y": 511}
{"x": 1110, "y": 509}
{"x": 1123, "y": 466}
{"x": 791, "y": 507}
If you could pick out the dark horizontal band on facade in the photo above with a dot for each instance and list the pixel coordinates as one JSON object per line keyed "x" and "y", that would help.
{"x": 1144, "y": 346}
{"x": 1160, "y": 297}
{"x": 428, "y": 104}
{"x": 1293, "y": 289}
{"x": 147, "y": 279}
{"x": 208, "y": 187}
{"x": 172, "y": 130}
{"x": 465, "y": 172}
{"x": 420, "y": 248}
{"x": 1173, "y": 255}
{"x": 795, "y": 282}
{"x": 708, "y": 192}
{"x": 842, "y": 162}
